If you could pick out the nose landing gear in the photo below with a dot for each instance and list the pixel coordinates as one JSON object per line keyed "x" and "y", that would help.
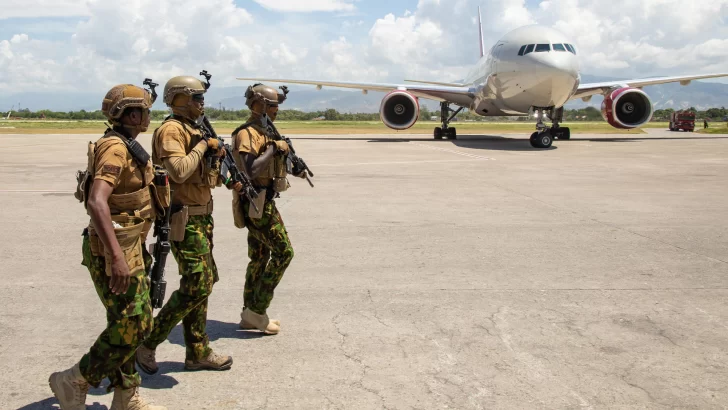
{"x": 544, "y": 136}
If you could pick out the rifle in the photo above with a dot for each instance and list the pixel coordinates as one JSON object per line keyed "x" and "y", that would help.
{"x": 294, "y": 164}
{"x": 161, "y": 248}
{"x": 228, "y": 165}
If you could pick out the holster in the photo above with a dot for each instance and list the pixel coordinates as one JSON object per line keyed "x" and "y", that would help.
{"x": 238, "y": 212}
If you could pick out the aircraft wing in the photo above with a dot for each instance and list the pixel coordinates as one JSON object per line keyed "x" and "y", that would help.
{"x": 454, "y": 94}
{"x": 586, "y": 90}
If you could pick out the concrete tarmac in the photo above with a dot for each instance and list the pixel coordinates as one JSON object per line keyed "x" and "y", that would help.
{"x": 470, "y": 274}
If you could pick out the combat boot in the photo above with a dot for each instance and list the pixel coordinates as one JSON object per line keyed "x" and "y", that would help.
{"x": 146, "y": 359}
{"x": 252, "y": 320}
{"x": 70, "y": 388}
{"x": 213, "y": 361}
{"x": 129, "y": 399}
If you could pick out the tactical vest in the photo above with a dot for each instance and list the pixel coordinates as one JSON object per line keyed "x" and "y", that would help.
{"x": 208, "y": 172}
{"x": 143, "y": 203}
{"x": 132, "y": 213}
{"x": 276, "y": 170}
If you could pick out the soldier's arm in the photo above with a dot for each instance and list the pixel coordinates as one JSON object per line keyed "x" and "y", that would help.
{"x": 98, "y": 207}
{"x": 180, "y": 168}
{"x": 171, "y": 151}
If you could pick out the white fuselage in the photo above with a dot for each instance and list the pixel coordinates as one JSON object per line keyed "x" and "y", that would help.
{"x": 545, "y": 75}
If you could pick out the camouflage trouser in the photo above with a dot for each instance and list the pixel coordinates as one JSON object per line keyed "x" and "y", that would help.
{"x": 128, "y": 323}
{"x": 189, "y": 302}
{"x": 270, "y": 253}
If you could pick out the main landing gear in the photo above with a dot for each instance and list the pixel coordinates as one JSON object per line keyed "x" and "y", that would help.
{"x": 445, "y": 118}
{"x": 544, "y": 136}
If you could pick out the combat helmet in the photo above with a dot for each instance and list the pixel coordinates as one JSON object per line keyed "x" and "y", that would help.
{"x": 265, "y": 94}
{"x": 124, "y": 96}
{"x": 178, "y": 94}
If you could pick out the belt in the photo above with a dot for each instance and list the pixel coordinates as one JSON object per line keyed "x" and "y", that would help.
{"x": 200, "y": 210}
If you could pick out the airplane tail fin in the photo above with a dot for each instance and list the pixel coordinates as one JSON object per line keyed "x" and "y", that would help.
{"x": 480, "y": 32}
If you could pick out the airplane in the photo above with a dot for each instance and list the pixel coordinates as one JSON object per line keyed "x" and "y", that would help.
{"x": 532, "y": 69}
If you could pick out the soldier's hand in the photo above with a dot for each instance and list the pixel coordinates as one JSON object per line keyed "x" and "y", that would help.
{"x": 221, "y": 153}
{"x": 301, "y": 175}
{"x": 120, "y": 276}
{"x": 238, "y": 187}
{"x": 272, "y": 148}
{"x": 282, "y": 146}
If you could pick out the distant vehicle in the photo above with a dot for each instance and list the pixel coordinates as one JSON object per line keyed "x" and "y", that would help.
{"x": 682, "y": 120}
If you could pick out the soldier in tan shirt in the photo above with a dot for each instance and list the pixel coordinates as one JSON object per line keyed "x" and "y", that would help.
{"x": 269, "y": 247}
{"x": 178, "y": 145}
{"x": 116, "y": 189}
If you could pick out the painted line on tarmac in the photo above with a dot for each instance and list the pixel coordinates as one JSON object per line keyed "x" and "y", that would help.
{"x": 348, "y": 164}
{"x": 464, "y": 154}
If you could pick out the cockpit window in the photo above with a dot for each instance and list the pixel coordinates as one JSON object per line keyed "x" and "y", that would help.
{"x": 570, "y": 48}
{"x": 529, "y": 48}
{"x": 559, "y": 47}
{"x": 520, "y": 52}
{"x": 540, "y": 48}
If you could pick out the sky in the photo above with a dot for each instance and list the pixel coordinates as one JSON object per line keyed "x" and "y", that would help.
{"x": 62, "y": 45}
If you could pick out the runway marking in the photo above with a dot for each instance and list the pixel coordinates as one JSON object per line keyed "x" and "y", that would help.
{"x": 464, "y": 154}
{"x": 398, "y": 162}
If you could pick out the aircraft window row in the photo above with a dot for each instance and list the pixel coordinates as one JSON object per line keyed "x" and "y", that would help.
{"x": 543, "y": 48}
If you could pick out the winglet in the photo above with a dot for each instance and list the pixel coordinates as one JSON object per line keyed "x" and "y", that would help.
{"x": 480, "y": 32}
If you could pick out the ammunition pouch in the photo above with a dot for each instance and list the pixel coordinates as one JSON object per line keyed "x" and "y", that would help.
{"x": 137, "y": 203}
{"x": 259, "y": 203}
{"x": 238, "y": 212}
{"x": 130, "y": 241}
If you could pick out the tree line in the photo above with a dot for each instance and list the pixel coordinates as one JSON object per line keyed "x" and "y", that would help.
{"x": 581, "y": 114}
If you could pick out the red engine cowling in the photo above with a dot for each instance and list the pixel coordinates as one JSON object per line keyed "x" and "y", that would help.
{"x": 627, "y": 108}
{"x": 399, "y": 110}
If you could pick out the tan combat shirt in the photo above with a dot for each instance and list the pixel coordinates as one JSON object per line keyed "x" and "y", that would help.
{"x": 115, "y": 165}
{"x": 175, "y": 140}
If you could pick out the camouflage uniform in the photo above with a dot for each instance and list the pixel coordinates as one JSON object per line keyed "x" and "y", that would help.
{"x": 269, "y": 247}
{"x": 189, "y": 302}
{"x": 128, "y": 323}
{"x": 270, "y": 253}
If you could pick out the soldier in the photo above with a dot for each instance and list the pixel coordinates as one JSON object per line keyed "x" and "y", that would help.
{"x": 189, "y": 159}
{"x": 269, "y": 248}
{"x": 117, "y": 192}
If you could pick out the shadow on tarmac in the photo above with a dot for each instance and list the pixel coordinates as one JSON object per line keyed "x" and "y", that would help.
{"x": 216, "y": 330}
{"x": 500, "y": 143}
{"x": 52, "y": 403}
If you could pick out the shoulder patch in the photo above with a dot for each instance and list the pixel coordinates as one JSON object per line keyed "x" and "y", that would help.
{"x": 112, "y": 169}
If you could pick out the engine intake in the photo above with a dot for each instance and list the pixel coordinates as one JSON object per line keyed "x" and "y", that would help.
{"x": 399, "y": 110}
{"x": 627, "y": 108}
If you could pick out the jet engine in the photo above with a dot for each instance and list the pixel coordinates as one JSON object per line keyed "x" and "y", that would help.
{"x": 627, "y": 108}
{"x": 399, "y": 110}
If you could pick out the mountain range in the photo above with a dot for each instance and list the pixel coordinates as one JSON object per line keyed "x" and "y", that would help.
{"x": 701, "y": 95}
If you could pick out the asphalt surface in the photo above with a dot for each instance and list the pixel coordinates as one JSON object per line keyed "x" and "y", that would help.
{"x": 471, "y": 274}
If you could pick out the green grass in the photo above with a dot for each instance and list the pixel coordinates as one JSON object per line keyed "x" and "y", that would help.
{"x": 323, "y": 127}
{"x": 715, "y": 128}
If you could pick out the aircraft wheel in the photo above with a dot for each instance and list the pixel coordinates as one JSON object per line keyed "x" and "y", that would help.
{"x": 438, "y": 133}
{"x": 541, "y": 140}
{"x": 452, "y": 133}
{"x": 564, "y": 133}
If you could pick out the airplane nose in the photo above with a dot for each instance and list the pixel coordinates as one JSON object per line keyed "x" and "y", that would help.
{"x": 555, "y": 76}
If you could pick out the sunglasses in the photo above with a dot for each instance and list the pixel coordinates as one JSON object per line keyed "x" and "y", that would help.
{"x": 198, "y": 97}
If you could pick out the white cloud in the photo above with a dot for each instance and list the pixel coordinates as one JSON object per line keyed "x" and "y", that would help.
{"x": 307, "y": 5}
{"x": 436, "y": 41}
{"x": 42, "y": 8}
